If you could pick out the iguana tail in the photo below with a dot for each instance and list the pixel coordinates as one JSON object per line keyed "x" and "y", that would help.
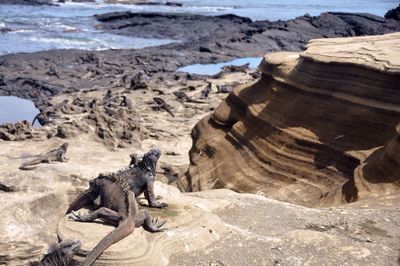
{"x": 30, "y": 165}
{"x": 124, "y": 229}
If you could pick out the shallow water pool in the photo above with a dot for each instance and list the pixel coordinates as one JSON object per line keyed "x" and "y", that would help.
{"x": 14, "y": 109}
{"x": 212, "y": 69}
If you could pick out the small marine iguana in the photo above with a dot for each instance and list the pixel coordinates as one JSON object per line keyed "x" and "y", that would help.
{"x": 60, "y": 254}
{"x": 161, "y": 104}
{"x": 206, "y": 91}
{"x": 183, "y": 97}
{"x": 51, "y": 156}
{"x": 118, "y": 206}
{"x": 142, "y": 176}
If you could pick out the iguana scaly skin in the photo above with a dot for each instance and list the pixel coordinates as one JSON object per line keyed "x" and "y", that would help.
{"x": 60, "y": 254}
{"x": 118, "y": 206}
{"x": 51, "y": 156}
{"x": 142, "y": 176}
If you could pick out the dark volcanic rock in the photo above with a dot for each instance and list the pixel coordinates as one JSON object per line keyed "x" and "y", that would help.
{"x": 18, "y": 131}
{"x": 393, "y": 13}
{"x": 202, "y": 39}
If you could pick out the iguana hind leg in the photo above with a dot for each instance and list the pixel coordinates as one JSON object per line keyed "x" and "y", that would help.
{"x": 86, "y": 198}
{"x": 104, "y": 213}
{"x": 125, "y": 228}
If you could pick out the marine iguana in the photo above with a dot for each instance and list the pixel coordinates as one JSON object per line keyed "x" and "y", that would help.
{"x": 183, "y": 97}
{"x": 118, "y": 206}
{"x": 59, "y": 254}
{"x": 51, "y": 156}
{"x": 161, "y": 104}
{"x": 143, "y": 177}
{"x": 206, "y": 91}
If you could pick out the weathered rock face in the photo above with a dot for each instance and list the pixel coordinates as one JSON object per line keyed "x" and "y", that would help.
{"x": 303, "y": 129}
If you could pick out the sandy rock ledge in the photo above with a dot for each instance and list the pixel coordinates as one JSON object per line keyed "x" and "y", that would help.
{"x": 190, "y": 223}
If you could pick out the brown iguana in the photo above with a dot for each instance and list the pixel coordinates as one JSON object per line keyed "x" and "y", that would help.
{"x": 118, "y": 206}
{"x": 141, "y": 176}
{"x": 51, "y": 156}
{"x": 60, "y": 254}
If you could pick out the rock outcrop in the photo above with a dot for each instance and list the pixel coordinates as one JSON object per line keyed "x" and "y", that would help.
{"x": 312, "y": 126}
{"x": 393, "y": 13}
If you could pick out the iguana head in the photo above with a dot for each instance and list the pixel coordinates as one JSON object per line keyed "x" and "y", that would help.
{"x": 66, "y": 247}
{"x": 147, "y": 162}
{"x": 65, "y": 146}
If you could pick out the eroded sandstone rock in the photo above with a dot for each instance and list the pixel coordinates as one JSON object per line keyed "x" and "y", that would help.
{"x": 302, "y": 130}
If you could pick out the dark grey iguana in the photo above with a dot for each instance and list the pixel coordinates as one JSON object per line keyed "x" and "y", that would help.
{"x": 141, "y": 176}
{"x": 118, "y": 206}
{"x": 49, "y": 157}
{"x": 183, "y": 97}
{"x": 161, "y": 104}
{"x": 206, "y": 91}
{"x": 60, "y": 254}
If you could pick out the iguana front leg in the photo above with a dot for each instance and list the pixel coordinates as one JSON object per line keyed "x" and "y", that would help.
{"x": 149, "y": 195}
{"x": 64, "y": 158}
{"x": 144, "y": 219}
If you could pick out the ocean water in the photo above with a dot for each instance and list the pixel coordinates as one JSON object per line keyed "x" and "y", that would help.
{"x": 71, "y": 25}
{"x": 13, "y": 109}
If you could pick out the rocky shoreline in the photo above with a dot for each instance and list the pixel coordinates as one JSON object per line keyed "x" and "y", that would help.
{"x": 200, "y": 39}
{"x": 108, "y": 104}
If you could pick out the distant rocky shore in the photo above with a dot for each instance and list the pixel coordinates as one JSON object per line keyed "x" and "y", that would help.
{"x": 199, "y": 39}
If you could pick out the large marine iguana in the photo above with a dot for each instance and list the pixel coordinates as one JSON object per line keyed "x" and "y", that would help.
{"x": 140, "y": 177}
{"x": 49, "y": 157}
{"x": 118, "y": 206}
{"x": 60, "y": 254}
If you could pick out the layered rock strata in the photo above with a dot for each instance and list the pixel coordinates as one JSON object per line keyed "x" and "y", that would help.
{"x": 301, "y": 131}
